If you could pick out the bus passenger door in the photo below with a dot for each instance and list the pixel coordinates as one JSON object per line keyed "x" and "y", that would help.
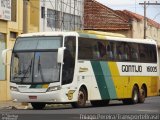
{"x": 69, "y": 60}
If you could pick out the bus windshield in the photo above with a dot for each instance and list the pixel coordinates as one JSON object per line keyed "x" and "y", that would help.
{"x": 34, "y": 60}
{"x": 38, "y": 43}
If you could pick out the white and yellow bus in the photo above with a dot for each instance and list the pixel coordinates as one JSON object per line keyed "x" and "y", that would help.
{"x": 75, "y": 67}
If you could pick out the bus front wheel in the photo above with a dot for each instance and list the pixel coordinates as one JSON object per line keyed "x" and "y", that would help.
{"x": 38, "y": 106}
{"x": 82, "y": 98}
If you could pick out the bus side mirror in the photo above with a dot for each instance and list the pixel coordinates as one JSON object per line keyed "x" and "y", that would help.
{"x": 4, "y": 55}
{"x": 60, "y": 55}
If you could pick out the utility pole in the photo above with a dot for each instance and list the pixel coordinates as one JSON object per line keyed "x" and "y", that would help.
{"x": 25, "y": 16}
{"x": 145, "y": 18}
{"x": 74, "y": 15}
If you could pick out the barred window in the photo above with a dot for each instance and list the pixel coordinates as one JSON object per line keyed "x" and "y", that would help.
{"x": 52, "y": 18}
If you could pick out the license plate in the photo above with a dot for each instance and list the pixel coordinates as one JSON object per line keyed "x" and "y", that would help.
{"x": 32, "y": 97}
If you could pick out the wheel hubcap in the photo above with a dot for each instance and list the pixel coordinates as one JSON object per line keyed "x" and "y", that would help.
{"x": 80, "y": 97}
{"x": 135, "y": 96}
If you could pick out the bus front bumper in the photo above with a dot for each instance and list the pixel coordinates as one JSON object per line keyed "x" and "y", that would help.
{"x": 54, "y": 97}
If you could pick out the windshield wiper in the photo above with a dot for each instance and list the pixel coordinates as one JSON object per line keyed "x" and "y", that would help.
{"x": 25, "y": 72}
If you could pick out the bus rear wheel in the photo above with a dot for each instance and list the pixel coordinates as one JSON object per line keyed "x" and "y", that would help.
{"x": 99, "y": 103}
{"x": 134, "y": 98}
{"x": 82, "y": 98}
{"x": 38, "y": 106}
{"x": 142, "y": 95}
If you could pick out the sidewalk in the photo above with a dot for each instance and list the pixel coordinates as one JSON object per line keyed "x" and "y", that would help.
{"x": 12, "y": 105}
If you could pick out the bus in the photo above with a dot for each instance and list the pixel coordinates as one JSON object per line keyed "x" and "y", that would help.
{"x": 76, "y": 67}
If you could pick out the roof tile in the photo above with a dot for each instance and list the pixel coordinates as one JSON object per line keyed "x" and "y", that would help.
{"x": 100, "y": 17}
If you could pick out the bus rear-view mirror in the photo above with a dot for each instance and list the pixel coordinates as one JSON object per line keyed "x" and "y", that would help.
{"x": 60, "y": 55}
{"x": 4, "y": 56}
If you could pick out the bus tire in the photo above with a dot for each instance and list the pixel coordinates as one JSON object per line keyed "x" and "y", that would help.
{"x": 99, "y": 103}
{"x": 134, "y": 98}
{"x": 135, "y": 95}
{"x": 142, "y": 94}
{"x": 82, "y": 98}
{"x": 38, "y": 106}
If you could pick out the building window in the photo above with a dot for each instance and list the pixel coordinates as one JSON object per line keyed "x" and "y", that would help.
{"x": 13, "y": 35}
{"x": 52, "y": 18}
{"x": 71, "y": 22}
{"x": 42, "y": 12}
{"x": 13, "y": 10}
{"x": 2, "y": 47}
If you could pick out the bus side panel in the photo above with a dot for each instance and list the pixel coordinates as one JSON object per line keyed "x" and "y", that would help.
{"x": 153, "y": 90}
{"x": 119, "y": 81}
{"x": 86, "y": 76}
{"x": 124, "y": 81}
{"x": 104, "y": 79}
{"x": 150, "y": 82}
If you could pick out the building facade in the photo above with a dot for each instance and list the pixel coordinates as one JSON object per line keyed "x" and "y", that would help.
{"x": 102, "y": 18}
{"x": 61, "y": 15}
{"x": 10, "y": 27}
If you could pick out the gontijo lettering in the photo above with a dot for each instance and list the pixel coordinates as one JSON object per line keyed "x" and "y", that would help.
{"x": 138, "y": 68}
{"x": 131, "y": 68}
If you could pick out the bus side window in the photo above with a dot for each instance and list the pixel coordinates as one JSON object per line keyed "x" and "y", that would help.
{"x": 119, "y": 51}
{"x": 126, "y": 52}
{"x": 109, "y": 52}
{"x": 143, "y": 51}
{"x": 96, "y": 54}
{"x": 102, "y": 50}
{"x": 134, "y": 52}
{"x": 152, "y": 53}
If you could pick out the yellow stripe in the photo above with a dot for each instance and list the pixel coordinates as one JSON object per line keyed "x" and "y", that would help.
{"x": 117, "y": 80}
{"x": 45, "y": 86}
{"x": 113, "y": 68}
{"x": 100, "y": 37}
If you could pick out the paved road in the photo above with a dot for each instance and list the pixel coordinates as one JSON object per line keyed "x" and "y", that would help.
{"x": 113, "y": 111}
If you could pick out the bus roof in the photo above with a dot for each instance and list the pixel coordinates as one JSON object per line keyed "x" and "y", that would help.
{"x": 91, "y": 34}
{"x": 113, "y": 37}
{"x": 55, "y": 33}
{"x": 103, "y": 33}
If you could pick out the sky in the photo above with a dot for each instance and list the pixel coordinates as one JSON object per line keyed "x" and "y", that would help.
{"x": 153, "y": 11}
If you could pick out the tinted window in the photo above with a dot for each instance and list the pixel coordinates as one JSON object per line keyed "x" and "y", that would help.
{"x": 94, "y": 49}
{"x": 87, "y": 49}
{"x": 32, "y": 43}
{"x": 69, "y": 60}
{"x": 147, "y": 53}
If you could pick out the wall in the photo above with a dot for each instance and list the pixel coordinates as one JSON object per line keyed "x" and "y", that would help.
{"x": 33, "y": 15}
{"x": 12, "y": 29}
{"x": 137, "y": 29}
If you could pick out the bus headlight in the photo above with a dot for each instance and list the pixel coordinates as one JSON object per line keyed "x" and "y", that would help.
{"x": 14, "y": 89}
{"x": 54, "y": 88}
